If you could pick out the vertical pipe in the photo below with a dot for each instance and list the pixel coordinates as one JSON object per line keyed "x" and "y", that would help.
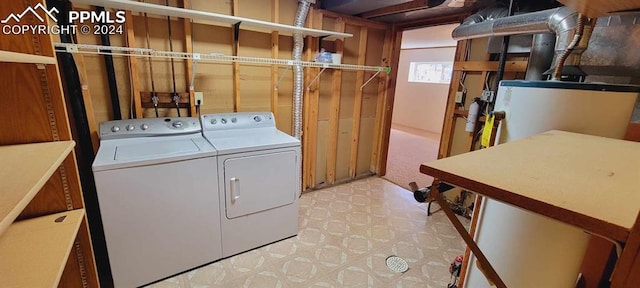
{"x": 111, "y": 73}
{"x": 503, "y": 54}
{"x": 298, "y": 72}
{"x": 541, "y": 58}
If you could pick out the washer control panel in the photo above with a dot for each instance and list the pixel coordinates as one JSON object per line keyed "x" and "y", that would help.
{"x": 130, "y": 128}
{"x": 240, "y": 120}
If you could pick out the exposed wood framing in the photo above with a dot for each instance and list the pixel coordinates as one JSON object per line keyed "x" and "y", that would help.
{"x": 481, "y": 66}
{"x": 235, "y": 66}
{"x": 357, "y": 105}
{"x": 382, "y": 94}
{"x": 188, "y": 47}
{"x": 597, "y": 8}
{"x": 396, "y": 9}
{"x": 133, "y": 67}
{"x": 448, "y": 125}
{"x": 627, "y": 271}
{"x": 88, "y": 102}
{"x": 275, "y": 42}
{"x": 387, "y": 109}
{"x": 356, "y": 21}
{"x": 310, "y": 133}
{"x": 334, "y": 110}
{"x": 433, "y": 21}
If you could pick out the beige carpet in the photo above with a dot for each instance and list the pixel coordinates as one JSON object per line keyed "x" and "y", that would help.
{"x": 408, "y": 148}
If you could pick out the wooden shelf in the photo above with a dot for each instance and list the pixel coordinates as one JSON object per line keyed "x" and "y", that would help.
{"x": 586, "y": 181}
{"x": 212, "y": 18}
{"x": 15, "y": 57}
{"x": 24, "y": 170}
{"x": 35, "y": 251}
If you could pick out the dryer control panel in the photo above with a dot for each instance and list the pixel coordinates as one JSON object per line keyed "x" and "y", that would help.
{"x": 120, "y": 129}
{"x": 240, "y": 120}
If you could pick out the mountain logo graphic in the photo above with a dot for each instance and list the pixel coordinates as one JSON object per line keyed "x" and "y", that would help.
{"x": 39, "y": 6}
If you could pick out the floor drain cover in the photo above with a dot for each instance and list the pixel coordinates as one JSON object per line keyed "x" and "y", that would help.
{"x": 397, "y": 264}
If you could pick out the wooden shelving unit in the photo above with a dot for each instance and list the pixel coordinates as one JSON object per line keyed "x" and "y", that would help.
{"x": 44, "y": 238}
{"x": 25, "y": 169}
{"x": 35, "y": 251}
{"x": 15, "y": 57}
{"x": 213, "y": 18}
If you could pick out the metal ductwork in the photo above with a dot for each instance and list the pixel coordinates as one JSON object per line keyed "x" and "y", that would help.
{"x": 562, "y": 21}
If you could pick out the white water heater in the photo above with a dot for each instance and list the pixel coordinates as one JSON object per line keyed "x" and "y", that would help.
{"x": 527, "y": 249}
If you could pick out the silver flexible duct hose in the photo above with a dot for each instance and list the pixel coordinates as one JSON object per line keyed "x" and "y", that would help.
{"x": 557, "y": 73}
{"x": 298, "y": 72}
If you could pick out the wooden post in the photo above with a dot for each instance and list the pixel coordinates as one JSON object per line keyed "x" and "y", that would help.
{"x": 88, "y": 102}
{"x": 275, "y": 41}
{"x": 311, "y": 103}
{"x": 448, "y": 125}
{"x": 306, "y": 123}
{"x": 357, "y": 104}
{"x": 188, "y": 46}
{"x": 334, "y": 110}
{"x": 133, "y": 67}
{"x": 236, "y": 66}
{"x": 388, "y": 105}
{"x": 627, "y": 271}
{"x": 382, "y": 90}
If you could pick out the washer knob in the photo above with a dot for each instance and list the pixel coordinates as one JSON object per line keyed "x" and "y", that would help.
{"x": 223, "y": 121}
{"x": 177, "y": 124}
{"x": 214, "y": 121}
{"x": 130, "y": 127}
{"x": 257, "y": 118}
{"x": 144, "y": 127}
{"x": 234, "y": 120}
{"x": 115, "y": 129}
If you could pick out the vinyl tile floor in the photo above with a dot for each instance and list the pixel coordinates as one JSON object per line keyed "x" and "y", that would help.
{"x": 346, "y": 233}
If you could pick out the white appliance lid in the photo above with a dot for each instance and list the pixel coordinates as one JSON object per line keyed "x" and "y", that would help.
{"x": 132, "y": 152}
{"x": 244, "y": 140}
{"x": 152, "y": 150}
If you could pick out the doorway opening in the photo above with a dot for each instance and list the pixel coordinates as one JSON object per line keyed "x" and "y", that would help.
{"x": 422, "y": 86}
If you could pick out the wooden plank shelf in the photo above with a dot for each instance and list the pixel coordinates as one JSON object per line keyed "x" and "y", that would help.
{"x": 24, "y": 170}
{"x": 35, "y": 251}
{"x": 15, "y": 57}
{"x": 586, "y": 181}
{"x": 213, "y": 18}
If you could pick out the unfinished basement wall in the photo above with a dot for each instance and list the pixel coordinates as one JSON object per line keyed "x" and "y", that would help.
{"x": 341, "y": 118}
{"x": 332, "y": 150}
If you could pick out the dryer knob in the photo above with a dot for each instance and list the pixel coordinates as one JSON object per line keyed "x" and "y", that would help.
{"x": 130, "y": 127}
{"x": 214, "y": 121}
{"x": 257, "y": 118}
{"x": 177, "y": 124}
{"x": 144, "y": 127}
{"x": 115, "y": 129}
{"x": 223, "y": 121}
{"x": 234, "y": 120}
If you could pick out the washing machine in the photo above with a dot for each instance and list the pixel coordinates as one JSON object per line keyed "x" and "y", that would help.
{"x": 158, "y": 202}
{"x": 259, "y": 179}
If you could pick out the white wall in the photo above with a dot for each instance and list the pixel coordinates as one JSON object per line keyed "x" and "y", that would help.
{"x": 421, "y": 105}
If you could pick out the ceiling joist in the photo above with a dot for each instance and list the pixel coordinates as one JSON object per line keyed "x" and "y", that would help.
{"x": 395, "y": 9}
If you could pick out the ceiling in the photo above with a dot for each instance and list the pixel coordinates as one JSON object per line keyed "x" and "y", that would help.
{"x": 401, "y": 11}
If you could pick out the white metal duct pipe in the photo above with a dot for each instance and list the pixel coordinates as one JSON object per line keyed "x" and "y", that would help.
{"x": 298, "y": 71}
{"x": 561, "y": 21}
